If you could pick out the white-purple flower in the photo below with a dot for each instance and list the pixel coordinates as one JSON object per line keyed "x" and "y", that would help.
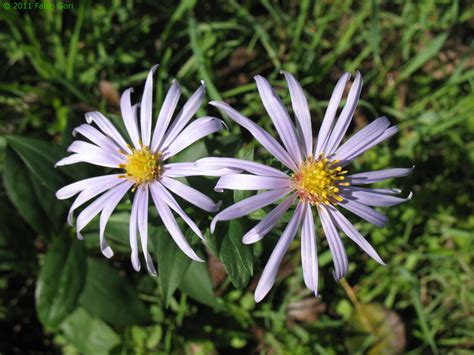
{"x": 142, "y": 161}
{"x": 317, "y": 179}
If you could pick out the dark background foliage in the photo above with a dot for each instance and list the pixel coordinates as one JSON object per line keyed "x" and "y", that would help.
{"x": 60, "y": 294}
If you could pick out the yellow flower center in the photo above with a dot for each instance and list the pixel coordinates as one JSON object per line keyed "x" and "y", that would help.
{"x": 142, "y": 166}
{"x": 318, "y": 180}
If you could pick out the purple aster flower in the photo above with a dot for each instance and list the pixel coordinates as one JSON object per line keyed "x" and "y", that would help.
{"x": 143, "y": 167}
{"x": 318, "y": 180}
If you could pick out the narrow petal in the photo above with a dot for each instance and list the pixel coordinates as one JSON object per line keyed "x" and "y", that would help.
{"x": 88, "y": 149}
{"x": 280, "y": 118}
{"x": 91, "y": 192}
{"x": 108, "y": 128}
{"x": 266, "y": 224}
{"x": 142, "y": 218}
{"x": 233, "y": 163}
{"x": 189, "y": 110}
{"x": 94, "y": 208}
{"x": 271, "y": 268}
{"x": 96, "y": 137}
{"x": 378, "y": 175}
{"x": 146, "y": 107}
{"x": 249, "y": 205}
{"x": 173, "y": 228}
{"x": 385, "y": 135}
{"x": 189, "y": 169}
{"x": 99, "y": 160}
{"x": 160, "y": 192}
{"x": 348, "y": 229}
{"x": 338, "y": 252}
{"x": 301, "y": 110}
{"x": 113, "y": 201}
{"x": 166, "y": 113}
{"x": 194, "y": 132}
{"x": 309, "y": 254}
{"x": 366, "y": 135}
{"x": 372, "y": 197}
{"x": 267, "y": 141}
{"x": 133, "y": 228}
{"x": 190, "y": 194}
{"x": 365, "y": 212}
{"x": 250, "y": 182}
{"x": 128, "y": 116}
{"x": 345, "y": 117}
{"x": 330, "y": 115}
{"x": 76, "y": 187}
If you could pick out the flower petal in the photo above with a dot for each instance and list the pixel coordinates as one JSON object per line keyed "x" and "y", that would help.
{"x": 345, "y": 117}
{"x": 189, "y": 110}
{"x": 378, "y": 175}
{"x": 166, "y": 113}
{"x": 385, "y": 135}
{"x": 190, "y": 194}
{"x": 113, "y": 201}
{"x": 271, "y": 268}
{"x": 173, "y": 228}
{"x": 330, "y": 115}
{"x": 372, "y": 197}
{"x": 267, "y": 141}
{"x": 233, "y": 163}
{"x": 366, "y": 135}
{"x": 108, "y": 128}
{"x": 94, "y": 208}
{"x": 96, "y": 137}
{"x": 76, "y": 187}
{"x": 347, "y": 228}
{"x": 365, "y": 212}
{"x": 146, "y": 107}
{"x": 250, "y": 182}
{"x": 133, "y": 228}
{"x": 301, "y": 110}
{"x": 280, "y": 118}
{"x": 142, "y": 218}
{"x": 309, "y": 254}
{"x": 128, "y": 116}
{"x": 189, "y": 169}
{"x": 160, "y": 192}
{"x": 194, "y": 132}
{"x": 249, "y": 205}
{"x": 266, "y": 224}
{"x": 335, "y": 244}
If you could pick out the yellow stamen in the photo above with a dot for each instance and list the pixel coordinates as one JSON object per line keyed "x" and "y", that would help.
{"x": 318, "y": 181}
{"x": 142, "y": 166}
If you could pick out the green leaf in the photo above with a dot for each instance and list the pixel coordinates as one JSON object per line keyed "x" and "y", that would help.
{"x": 88, "y": 334}
{"x": 172, "y": 263}
{"x": 110, "y": 297}
{"x": 39, "y": 157}
{"x": 17, "y": 251}
{"x": 236, "y": 256}
{"x": 197, "y": 284}
{"x": 60, "y": 281}
{"x": 22, "y": 194}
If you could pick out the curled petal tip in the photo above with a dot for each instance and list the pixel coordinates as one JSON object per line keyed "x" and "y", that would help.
{"x": 107, "y": 252}
{"x": 88, "y": 117}
{"x": 203, "y": 83}
{"x": 79, "y": 236}
{"x": 213, "y": 224}
{"x": 410, "y": 195}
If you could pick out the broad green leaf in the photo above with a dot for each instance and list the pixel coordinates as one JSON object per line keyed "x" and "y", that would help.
{"x": 39, "y": 157}
{"x": 172, "y": 263}
{"x": 236, "y": 256}
{"x": 22, "y": 194}
{"x": 197, "y": 284}
{"x": 88, "y": 334}
{"x": 60, "y": 281}
{"x": 17, "y": 251}
{"x": 110, "y": 297}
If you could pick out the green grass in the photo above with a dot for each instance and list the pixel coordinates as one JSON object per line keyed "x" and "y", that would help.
{"x": 417, "y": 62}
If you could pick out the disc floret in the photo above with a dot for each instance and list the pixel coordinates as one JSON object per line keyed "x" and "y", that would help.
{"x": 142, "y": 166}
{"x": 318, "y": 180}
